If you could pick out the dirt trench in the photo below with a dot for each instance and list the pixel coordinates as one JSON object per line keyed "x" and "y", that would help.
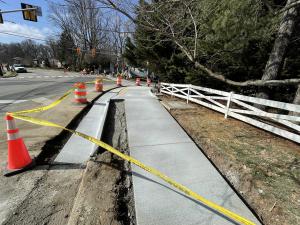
{"x": 99, "y": 192}
{"x": 105, "y": 195}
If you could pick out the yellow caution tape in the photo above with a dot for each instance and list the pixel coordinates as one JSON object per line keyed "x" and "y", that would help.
{"x": 47, "y": 107}
{"x": 151, "y": 170}
{"x": 53, "y": 104}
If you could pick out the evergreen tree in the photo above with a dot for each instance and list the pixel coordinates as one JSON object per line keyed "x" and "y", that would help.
{"x": 210, "y": 43}
{"x": 67, "y": 49}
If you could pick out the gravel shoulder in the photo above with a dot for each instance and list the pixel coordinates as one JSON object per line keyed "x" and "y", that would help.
{"x": 263, "y": 168}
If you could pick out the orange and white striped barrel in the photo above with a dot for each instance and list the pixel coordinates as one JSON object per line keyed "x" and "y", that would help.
{"x": 148, "y": 82}
{"x": 99, "y": 85}
{"x": 138, "y": 81}
{"x": 80, "y": 93}
{"x": 18, "y": 156}
{"x": 119, "y": 81}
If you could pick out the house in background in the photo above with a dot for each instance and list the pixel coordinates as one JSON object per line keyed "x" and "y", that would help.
{"x": 55, "y": 63}
{"x": 18, "y": 60}
{"x": 24, "y": 61}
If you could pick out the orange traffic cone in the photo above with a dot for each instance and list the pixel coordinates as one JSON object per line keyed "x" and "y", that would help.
{"x": 119, "y": 81}
{"x": 148, "y": 82}
{"x": 80, "y": 93}
{"x": 138, "y": 81}
{"x": 99, "y": 85}
{"x": 18, "y": 159}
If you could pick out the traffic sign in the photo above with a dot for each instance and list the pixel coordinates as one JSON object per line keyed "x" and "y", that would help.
{"x": 30, "y": 14}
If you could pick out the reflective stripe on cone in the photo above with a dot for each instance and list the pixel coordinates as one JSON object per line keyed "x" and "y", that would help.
{"x": 12, "y": 134}
{"x": 10, "y": 123}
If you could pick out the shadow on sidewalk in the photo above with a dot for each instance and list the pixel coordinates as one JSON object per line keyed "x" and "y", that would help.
{"x": 165, "y": 186}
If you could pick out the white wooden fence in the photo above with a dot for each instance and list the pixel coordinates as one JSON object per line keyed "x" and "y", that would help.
{"x": 242, "y": 108}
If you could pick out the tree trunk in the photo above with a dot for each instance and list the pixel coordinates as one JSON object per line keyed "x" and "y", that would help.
{"x": 277, "y": 56}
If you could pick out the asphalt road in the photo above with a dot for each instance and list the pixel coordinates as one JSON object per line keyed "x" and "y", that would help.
{"x": 37, "y": 83}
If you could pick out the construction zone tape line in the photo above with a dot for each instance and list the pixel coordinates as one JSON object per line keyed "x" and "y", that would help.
{"x": 220, "y": 209}
{"x": 151, "y": 170}
{"x": 47, "y": 107}
{"x": 53, "y": 104}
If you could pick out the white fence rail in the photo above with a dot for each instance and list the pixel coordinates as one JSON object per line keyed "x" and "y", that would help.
{"x": 242, "y": 108}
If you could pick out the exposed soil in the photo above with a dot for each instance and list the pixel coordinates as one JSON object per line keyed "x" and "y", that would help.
{"x": 105, "y": 195}
{"x": 263, "y": 168}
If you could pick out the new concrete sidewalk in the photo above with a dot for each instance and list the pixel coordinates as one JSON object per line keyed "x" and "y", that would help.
{"x": 157, "y": 140}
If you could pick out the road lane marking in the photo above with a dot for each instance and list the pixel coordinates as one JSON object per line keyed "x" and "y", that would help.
{"x": 42, "y": 100}
{"x": 11, "y": 101}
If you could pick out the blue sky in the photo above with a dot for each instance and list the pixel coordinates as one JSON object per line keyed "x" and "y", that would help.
{"x": 41, "y": 29}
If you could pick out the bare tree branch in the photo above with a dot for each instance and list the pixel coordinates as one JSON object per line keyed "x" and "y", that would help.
{"x": 260, "y": 83}
{"x": 173, "y": 28}
{"x": 288, "y": 7}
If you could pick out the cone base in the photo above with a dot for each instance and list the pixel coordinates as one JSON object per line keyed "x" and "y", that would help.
{"x": 10, "y": 172}
{"x": 18, "y": 155}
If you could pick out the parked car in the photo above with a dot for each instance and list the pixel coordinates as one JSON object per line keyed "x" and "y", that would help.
{"x": 19, "y": 68}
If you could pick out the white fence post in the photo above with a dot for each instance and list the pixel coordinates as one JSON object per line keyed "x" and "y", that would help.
{"x": 242, "y": 108}
{"x": 228, "y": 104}
{"x": 189, "y": 92}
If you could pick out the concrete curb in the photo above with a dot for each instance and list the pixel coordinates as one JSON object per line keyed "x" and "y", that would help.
{"x": 74, "y": 210}
{"x": 78, "y": 150}
{"x": 167, "y": 106}
{"x": 101, "y": 127}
